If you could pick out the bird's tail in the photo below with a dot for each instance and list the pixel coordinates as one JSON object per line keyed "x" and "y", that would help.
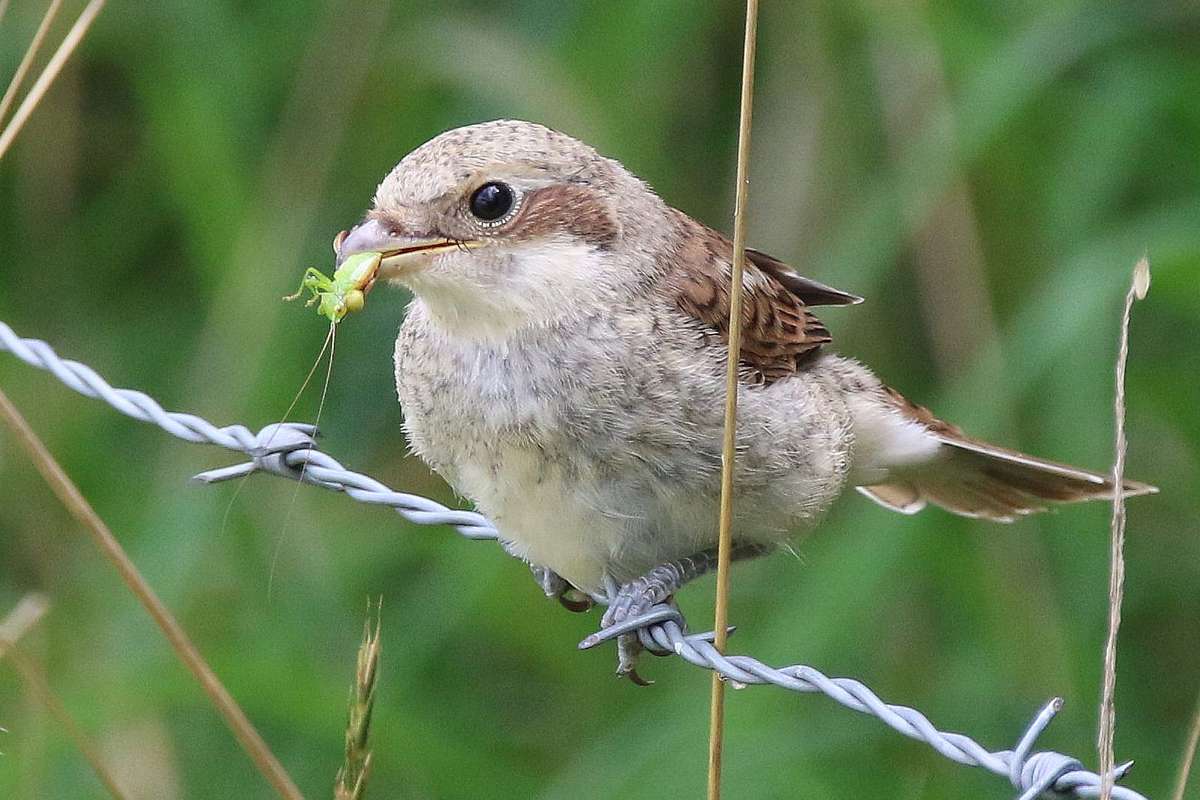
{"x": 970, "y": 477}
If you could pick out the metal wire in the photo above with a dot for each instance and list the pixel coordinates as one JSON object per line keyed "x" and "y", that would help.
{"x": 289, "y": 450}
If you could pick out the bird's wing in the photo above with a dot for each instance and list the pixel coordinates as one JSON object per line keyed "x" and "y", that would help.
{"x": 973, "y": 478}
{"x": 778, "y": 329}
{"x": 810, "y": 292}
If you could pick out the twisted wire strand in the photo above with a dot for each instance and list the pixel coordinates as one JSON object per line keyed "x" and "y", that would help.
{"x": 289, "y": 450}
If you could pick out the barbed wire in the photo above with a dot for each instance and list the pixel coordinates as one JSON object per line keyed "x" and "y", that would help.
{"x": 289, "y": 450}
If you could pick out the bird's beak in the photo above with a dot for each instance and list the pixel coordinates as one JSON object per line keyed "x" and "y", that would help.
{"x": 401, "y": 255}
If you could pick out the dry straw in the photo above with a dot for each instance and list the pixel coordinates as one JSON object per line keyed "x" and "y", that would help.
{"x": 68, "y": 493}
{"x": 23, "y": 617}
{"x": 20, "y": 621}
{"x": 1138, "y": 288}
{"x": 53, "y": 67}
{"x": 74, "y": 501}
{"x": 1189, "y": 755}
{"x": 27, "y": 60}
{"x": 716, "y": 725}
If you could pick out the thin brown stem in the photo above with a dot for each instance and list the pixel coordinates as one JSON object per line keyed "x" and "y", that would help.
{"x": 1116, "y": 582}
{"x": 74, "y": 501}
{"x": 53, "y": 67}
{"x": 37, "y": 685}
{"x": 716, "y": 729}
{"x": 27, "y": 60}
{"x": 21, "y": 620}
{"x": 1189, "y": 755}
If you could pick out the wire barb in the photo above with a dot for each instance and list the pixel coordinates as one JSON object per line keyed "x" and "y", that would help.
{"x": 289, "y": 451}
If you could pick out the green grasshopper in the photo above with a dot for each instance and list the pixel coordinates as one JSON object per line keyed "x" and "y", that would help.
{"x": 345, "y": 292}
{"x": 335, "y": 297}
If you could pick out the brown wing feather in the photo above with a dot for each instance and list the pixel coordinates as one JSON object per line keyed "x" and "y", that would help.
{"x": 977, "y": 479}
{"x": 778, "y": 330}
{"x": 813, "y": 293}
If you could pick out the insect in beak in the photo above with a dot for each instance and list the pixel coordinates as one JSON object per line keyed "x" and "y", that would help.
{"x": 399, "y": 255}
{"x": 346, "y": 291}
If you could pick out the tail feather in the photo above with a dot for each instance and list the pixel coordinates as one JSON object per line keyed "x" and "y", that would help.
{"x": 899, "y": 496}
{"x": 976, "y": 479}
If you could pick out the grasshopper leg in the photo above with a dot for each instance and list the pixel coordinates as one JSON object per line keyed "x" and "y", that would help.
{"x": 314, "y": 280}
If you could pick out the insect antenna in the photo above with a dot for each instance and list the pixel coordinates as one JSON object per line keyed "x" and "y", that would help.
{"x": 331, "y": 345}
{"x": 286, "y": 414}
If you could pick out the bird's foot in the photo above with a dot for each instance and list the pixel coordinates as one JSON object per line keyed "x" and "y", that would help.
{"x": 552, "y": 584}
{"x": 556, "y": 587}
{"x": 635, "y": 600}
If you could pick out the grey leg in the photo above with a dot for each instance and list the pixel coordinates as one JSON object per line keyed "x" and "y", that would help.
{"x": 553, "y": 585}
{"x": 659, "y": 586}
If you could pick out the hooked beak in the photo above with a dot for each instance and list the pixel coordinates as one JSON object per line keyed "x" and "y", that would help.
{"x": 401, "y": 255}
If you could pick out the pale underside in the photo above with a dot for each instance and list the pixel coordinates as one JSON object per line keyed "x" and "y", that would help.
{"x": 594, "y": 442}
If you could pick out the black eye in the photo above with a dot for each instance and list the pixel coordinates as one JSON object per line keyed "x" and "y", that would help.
{"x": 492, "y": 201}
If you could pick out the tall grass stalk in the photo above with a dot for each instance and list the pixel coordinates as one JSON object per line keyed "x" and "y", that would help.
{"x": 19, "y": 622}
{"x": 1116, "y": 584}
{"x": 716, "y": 714}
{"x": 53, "y": 67}
{"x": 27, "y": 60}
{"x": 74, "y": 501}
{"x": 1189, "y": 756}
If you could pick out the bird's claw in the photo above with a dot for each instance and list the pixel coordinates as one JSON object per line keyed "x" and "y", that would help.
{"x": 641, "y": 603}
{"x": 629, "y": 651}
{"x": 548, "y": 581}
{"x": 631, "y": 608}
{"x": 575, "y": 601}
{"x": 651, "y": 599}
{"x": 553, "y": 586}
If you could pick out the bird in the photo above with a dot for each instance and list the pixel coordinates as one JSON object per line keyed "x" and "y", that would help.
{"x": 562, "y": 365}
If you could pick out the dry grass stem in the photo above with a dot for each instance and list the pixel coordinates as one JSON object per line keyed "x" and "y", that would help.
{"x": 351, "y": 783}
{"x": 32, "y": 675}
{"x": 1116, "y": 583}
{"x": 74, "y": 501}
{"x": 53, "y": 67}
{"x": 1189, "y": 755}
{"x": 716, "y": 724}
{"x": 27, "y": 60}
{"x": 22, "y": 619}
{"x": 3, "y": 9}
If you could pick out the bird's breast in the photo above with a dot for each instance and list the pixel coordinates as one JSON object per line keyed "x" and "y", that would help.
{"x": 598, "y": 447}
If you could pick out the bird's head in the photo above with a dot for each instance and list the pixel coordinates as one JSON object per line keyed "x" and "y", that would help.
{"x": 501, "y": 224}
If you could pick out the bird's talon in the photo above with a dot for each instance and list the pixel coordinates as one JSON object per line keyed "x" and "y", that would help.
{"x": 637, "y": 679}
{"x": 575, "y": 601}
{"x": 628, "y": 650}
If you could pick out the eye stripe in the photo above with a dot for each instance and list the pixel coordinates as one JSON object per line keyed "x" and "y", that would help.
{"x": 577, "y": 210}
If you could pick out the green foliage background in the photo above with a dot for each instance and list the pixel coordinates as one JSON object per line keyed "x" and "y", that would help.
{"x": 986, "y": 174}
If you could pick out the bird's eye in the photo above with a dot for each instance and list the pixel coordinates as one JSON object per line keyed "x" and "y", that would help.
{"x": 492, "y": 201}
